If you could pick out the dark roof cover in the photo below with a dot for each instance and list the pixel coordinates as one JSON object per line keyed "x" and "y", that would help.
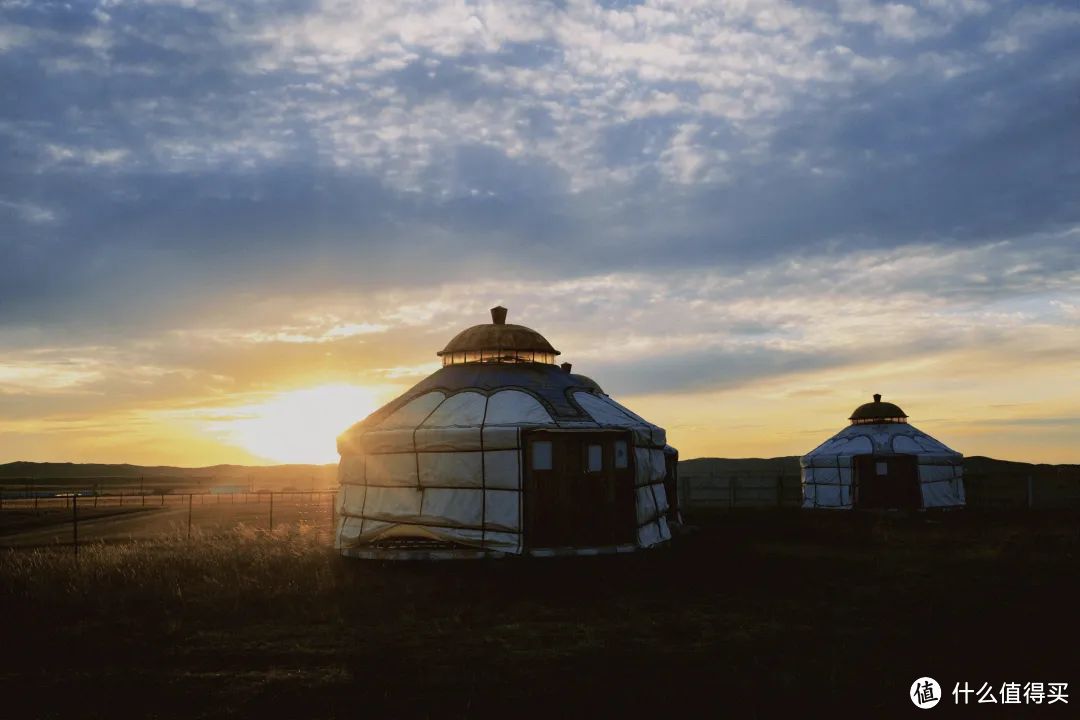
{"x": 549, "y": 384}
{"x": 877, "y": 410}
{"x": 498, "y": 336}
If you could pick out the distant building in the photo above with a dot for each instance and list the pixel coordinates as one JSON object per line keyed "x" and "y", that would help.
{"x": 881, "y": 461}
{"x": 502, "y": 452}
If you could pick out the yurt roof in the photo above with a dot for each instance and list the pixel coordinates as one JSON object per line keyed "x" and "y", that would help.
{"x": 508, "y": 393}
{"x": 472, "y": 398}
{"x": 880, "y": 439}
{"x": 550, "y": 384}
{"x": 498, "y": 335}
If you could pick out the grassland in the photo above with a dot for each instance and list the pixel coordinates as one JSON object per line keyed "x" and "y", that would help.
{"x": 152, "y": 517}
{"x": 756, "y": 612}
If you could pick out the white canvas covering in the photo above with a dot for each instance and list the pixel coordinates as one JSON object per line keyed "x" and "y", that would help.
{"x": 447, "y": 466}
{"x": 827, "y": 470}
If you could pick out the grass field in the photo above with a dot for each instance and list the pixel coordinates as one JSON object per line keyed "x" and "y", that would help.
{"x": 106, "y": 519}
{"x": 754, "y": 613}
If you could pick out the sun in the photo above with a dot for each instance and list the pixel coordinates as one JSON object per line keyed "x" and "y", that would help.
{"x": 300, "y": 426}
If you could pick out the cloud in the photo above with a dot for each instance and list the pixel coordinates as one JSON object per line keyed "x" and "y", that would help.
{"x": 86, "y": 156}
{"x": 227, "y": 195}
{"x": 1029, "y": 23}
{"x": 1064, "y": 422}
{"x": 44, "y": 376}
{"x": 29, "y": 212}
{"x": 893, "y": 20}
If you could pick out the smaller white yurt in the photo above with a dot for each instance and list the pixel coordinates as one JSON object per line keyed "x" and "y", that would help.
{"x": 880, "y": 461}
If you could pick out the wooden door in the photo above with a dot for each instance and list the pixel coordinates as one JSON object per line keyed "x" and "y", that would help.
{"x": 886, "y": 482}
{"x": 579, "y": 489}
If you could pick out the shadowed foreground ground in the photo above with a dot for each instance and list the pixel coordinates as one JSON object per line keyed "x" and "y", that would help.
{"x": 755, "y": 613}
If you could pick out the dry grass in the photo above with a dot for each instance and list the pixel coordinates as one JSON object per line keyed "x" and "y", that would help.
{"x": 223, "y": 573}
{"x": 755, "y": 612}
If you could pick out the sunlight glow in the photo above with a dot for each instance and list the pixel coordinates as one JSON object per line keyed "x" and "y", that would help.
{"x": 300, "y": 426}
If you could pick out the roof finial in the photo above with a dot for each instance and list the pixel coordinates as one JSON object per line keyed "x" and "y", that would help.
{"x": 498, "y": 315}
{"x": 877, "y": 397}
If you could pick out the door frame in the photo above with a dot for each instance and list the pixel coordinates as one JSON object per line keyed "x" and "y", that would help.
{"x": 630, "y": 473}
{"x": 888, "y": 458}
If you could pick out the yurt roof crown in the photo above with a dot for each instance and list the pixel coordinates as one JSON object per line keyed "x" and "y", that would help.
{"x": 878, "y": 412}
{"x": 498, "y": 342}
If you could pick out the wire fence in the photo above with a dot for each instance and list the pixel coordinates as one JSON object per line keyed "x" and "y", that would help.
{"x": 37, "y": 518}
{"x": 1047, "y": 488}
{"x": 1050, "y": 488}
{"x": 47, "y": 513}
{"x": 720, "y": 491}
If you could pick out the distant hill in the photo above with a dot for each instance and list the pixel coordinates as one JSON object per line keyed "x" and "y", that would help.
{"x": 977, "y": 464}
{"x": 275, "y": 477}
{"x": 788, "y": 465}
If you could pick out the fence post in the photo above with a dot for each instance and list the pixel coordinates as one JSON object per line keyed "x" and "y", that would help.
{"x": 189, "y": 516}
{"x": 75, "y": 524}
{"x": 271, "y": 512}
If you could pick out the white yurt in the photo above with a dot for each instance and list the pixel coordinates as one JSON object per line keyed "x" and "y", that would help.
{"x": 502, "y": 452}
{"x": 880, "y": 461}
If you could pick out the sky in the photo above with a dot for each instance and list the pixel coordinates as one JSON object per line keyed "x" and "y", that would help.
{"x": 229, "y": 229}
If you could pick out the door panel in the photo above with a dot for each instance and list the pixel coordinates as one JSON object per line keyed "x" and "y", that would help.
{"x": 887, "y": 481}
{"x": 582, "y": 500}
